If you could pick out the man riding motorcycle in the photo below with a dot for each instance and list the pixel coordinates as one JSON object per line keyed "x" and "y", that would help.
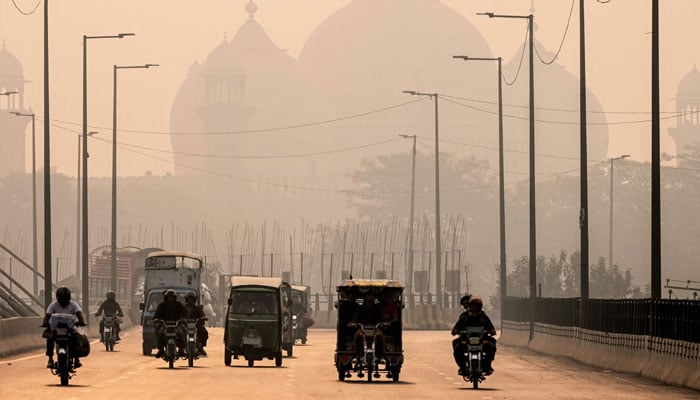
{"x": 197, "y": 312}
{"x": 62, "y": 305}
{"x": 474, "y": 316}
{"x": 110, "y": 308}
{"x": 170, "y": 310}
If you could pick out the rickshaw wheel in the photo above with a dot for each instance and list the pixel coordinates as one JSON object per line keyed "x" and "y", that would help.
{"x": 250, "y": 362}
{"x": 395, "y": 375}
{"x": 227, "y": 358}
{"x": 341, "y": 374}
{"x": 278, "y": 359}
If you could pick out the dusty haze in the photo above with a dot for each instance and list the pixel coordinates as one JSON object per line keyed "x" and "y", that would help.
{"x": 176, "y": 34}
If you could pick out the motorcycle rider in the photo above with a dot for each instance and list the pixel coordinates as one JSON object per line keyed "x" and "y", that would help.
{"x": 62, "y": 305}
{"x": 170, "y": 310}
{"x": 474, "y": 316}
{"x": 111, "y": 308}
{"x": 197, "y": 312}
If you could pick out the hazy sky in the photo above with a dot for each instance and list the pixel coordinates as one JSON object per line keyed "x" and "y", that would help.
{"x": 177, "y": 33}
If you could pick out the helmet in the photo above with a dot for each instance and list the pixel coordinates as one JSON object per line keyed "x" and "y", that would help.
{"x": 169, "y": 293}
{"x": 190, "y": 295}
{"x": 63, "y": 295}
{"x": 110, "y": 295}
{"x": 477, "y": 301}
{"x": 465, "y": 299}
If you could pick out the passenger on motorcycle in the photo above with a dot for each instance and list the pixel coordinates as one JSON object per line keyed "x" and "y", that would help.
{"x": 62, "y": 305}
{"x": 197, "y": 312}
{"x": 474, "y": 316}
{"x": 111, "y": 308}
{"x": 170, "y": 310}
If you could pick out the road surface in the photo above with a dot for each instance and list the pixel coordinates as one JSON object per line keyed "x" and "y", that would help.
{"x": 429, "y": 373}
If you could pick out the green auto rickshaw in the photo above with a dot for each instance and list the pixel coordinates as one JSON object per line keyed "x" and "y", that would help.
{"x": 258, "y": 320}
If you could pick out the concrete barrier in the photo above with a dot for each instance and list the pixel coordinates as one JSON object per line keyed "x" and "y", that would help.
{"x": 22, "y": 334}
{"x": 669, "y": 361}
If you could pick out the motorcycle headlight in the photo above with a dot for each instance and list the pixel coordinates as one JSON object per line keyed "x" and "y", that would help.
{"x": 474, "y": 341}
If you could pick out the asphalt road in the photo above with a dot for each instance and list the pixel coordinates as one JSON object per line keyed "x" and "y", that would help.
{"x": 429, "y": 373}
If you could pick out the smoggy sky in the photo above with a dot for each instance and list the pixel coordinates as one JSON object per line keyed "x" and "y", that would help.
{"x": 176, "y": 33}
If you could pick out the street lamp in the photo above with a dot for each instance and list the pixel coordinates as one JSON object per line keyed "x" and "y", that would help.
{"x": 113, "y": 284}
{"x": 612, "y": 171}
{"x": 409, "y": 279}
{"x": 501, "y": 176}
{"x": 77, "y": 212}
{"x": 34, "y": 242}
{"x": 85, "y": 278}
{"x": 438, "y": 273}
{"x": 533, "y": 224}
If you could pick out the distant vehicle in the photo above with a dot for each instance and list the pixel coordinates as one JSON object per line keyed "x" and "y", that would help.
{"x": 179, "y": 271}
{"x": 258, "y": 321}
{"x": 301, "y": 312}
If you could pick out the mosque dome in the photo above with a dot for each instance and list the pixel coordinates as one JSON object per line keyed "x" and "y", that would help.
{"x": 10, "y": 67}
{"x": 246, "y": 83}
{"x": 557, "y": 118}
{"x": 689, "y": 86}
{"x": 368, "y": 52}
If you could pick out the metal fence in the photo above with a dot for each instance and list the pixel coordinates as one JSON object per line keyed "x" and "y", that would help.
{"x": 669, "y": 319}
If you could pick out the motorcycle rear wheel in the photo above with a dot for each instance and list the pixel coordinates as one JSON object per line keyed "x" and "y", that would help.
{"x": 63, "y": 369}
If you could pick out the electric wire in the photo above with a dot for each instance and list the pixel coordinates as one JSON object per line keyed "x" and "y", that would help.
{"x": 14, "y": 2}
{"x": 522, "y": 57}
{"x": 563, "y": 39}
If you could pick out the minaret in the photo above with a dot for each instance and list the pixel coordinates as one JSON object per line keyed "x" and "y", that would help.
{"x": 687, "y": 129}
{"x": 13, "y": 129}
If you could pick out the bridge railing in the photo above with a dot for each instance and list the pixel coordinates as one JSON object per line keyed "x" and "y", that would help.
{"x": 669, "y": 319}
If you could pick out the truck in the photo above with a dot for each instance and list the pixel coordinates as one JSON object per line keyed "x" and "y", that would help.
{"x": 164, "y": 270}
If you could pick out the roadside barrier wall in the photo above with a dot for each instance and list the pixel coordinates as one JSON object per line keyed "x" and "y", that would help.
{"x": 22, "y": 334}
{"x": 669, "y": 361}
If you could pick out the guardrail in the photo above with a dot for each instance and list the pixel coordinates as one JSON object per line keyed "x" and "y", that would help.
{"x": 663, "y": 318}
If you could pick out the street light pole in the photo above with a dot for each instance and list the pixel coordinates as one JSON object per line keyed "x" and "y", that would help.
{"x": 113, "y": 275}
{"x": 85, "y": 244}
{"x": 35, "y": 280}
{"x": 438, "y": 231}
{"x": 501, "y": 176}
{"x": 610, "y": 237}
{"x": 409, "y": 278}
{"x": 533, "y": 221}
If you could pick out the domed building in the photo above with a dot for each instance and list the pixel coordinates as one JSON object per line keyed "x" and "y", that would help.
{"x": 557, "y": 118}
{"x": 238, "y": 121}
{"x": 687, "y": 130}
{"x": 368, "y": 52}
{"x": 14, "y": 129}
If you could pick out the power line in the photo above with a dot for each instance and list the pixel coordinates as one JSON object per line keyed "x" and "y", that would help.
{"x": 262, "y": 130}
{"x": 14, "y": 2}
{"x": 563, "y": 39}
{"x": 544, "y": 121}
{"x": 675, "y": 113}
{"x": 522, "y": 57}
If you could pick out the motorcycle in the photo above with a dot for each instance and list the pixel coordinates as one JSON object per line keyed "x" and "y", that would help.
{"x": 371, "y": 361}
{"x": 473, "y": 339}
{"x": 171, "y": 332}
{"x": 62, "y": 335}
{"x": 192, "y": 348}
{"x": 109, "y": 333}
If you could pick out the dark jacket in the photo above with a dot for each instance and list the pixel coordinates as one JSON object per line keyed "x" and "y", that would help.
{"x": 170, "y": 311}
{"x": 110, "y": 307}
{"x": 467, "y": 319}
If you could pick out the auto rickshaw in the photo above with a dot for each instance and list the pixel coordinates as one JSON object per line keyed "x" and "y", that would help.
{"x": 258, "y": 320}
{"x": 369, "y": 329}
{"x": 301, "y": 312}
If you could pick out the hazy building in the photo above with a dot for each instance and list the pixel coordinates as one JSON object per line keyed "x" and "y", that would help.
{"x": 243, "y": 121}
{"x": 687, "y": 130}
{"x": 13, "y": 128}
